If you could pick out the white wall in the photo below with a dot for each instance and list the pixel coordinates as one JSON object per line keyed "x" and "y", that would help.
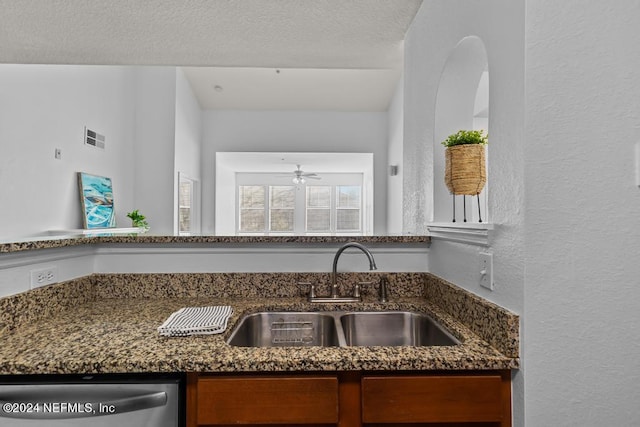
{"x": 262, "y": 258}
{"x": 435, "y": 32}
{"x": 43, "y": 107}
{"x": 438, "y": 27}
{"x": 394, "y": 157}
{"x": 155, "y": 146}
{"x": 291, "y": 131}
{"x": 566, "y": 245}
{"x": 582, "y": 293}
{"x": 188, "y": 140}
{"x": 147, "y": 115}
{"x": 73, "y": 262}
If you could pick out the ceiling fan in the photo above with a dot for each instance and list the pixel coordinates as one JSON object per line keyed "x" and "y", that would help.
{"x": 300, "y": 175}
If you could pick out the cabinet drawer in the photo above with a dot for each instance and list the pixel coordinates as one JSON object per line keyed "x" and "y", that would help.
{"x": 268, "y": 400}
{"x": 414, "y": 399}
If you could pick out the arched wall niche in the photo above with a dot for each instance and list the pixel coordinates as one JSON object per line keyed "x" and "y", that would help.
{"x": 462, "y": 102}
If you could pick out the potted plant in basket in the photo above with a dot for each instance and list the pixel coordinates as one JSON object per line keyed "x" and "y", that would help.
{"x": 465, "y": 171}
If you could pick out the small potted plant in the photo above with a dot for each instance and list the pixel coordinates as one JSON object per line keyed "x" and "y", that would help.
{"x": 138, "y": 220}
{"x": 465, "y": 171}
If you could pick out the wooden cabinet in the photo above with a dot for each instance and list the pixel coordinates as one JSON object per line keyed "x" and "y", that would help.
{"x": 417, "y": 399}
{"x": 351, "y": 399}
{"x": 267, "y": 399}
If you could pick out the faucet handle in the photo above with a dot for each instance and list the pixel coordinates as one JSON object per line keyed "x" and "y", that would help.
{"x": 383, "y": 288}
{"x": 358, "y": 287}
{"x": 311, "y": 287}
{"x": 356, "y": 290}
{"x": 383, "y": 292}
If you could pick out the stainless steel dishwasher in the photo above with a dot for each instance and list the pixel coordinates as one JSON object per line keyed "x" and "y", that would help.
{"x": 92, "y": 400}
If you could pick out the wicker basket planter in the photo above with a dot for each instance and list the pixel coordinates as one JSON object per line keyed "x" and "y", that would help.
{"x": 465, "y": 171}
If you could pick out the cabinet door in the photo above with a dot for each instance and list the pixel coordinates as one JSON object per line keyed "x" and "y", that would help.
{"x": 425, "y": 399}
{"x": 267, "y": 400}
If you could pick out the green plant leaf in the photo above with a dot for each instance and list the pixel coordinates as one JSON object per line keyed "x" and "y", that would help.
{"x": 466, "y": 137}
{"x": 137, "y": 219}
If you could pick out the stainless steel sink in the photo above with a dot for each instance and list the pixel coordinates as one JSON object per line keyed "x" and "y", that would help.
{"x": 339, "y": 328}
{"x": 393, "y": 328}
{"x": 280, "y": 329}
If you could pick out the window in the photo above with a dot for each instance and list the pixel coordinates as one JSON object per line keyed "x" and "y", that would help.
{"x": 313, "y": 213}
{"x": 348, "y": 207}
{"x": 252, "y": 204}
{"x": 334, "y": 208}
{"x": 318, "y": 209}
{"x": 281, "y": 208}
{"x": 186, "y": 205}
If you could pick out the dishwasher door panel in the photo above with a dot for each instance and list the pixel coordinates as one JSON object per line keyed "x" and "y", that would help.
{"x": 90, "y": 405}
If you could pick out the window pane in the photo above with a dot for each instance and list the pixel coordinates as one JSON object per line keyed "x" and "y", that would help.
{"x": 251, "y": 220}
{"x": 283, "y": 197}
{"x": 251, "y": 196}
{"x": 318, "y": 208}
{"x": 282, "y": 201}
{"x": 348, "y": 196}
{"x": 281, "y": 220}
{"x": 318, "y": 196}
{"x": 348, "y": 219}
{"x": 318, "y": 220}
{"x": 185, "y": 219}
{"x": 184, "y": 194}
{"x": 184, "y": 205}
{"x": 252, "y": 200}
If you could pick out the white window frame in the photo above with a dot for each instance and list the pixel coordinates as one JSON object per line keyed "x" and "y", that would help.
{"x": 333, "y": 208}
{"x": 300, "y": 215}
{"x": 229, "y": 164}
{"x": 193, "y": 207}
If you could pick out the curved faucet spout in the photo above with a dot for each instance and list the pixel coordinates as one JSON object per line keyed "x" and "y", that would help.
{"x": 334, "y": 271}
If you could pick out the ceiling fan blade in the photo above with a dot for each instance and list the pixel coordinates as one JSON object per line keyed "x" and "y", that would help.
{"x": 299, "y": 173}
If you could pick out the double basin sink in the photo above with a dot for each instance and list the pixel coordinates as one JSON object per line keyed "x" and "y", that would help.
{"x": 340, "y": 329}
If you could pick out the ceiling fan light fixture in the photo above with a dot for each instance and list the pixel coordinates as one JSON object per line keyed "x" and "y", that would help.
{"x": 298, "y": 180}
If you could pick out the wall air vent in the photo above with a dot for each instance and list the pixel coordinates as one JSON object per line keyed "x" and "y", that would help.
{"x": 93, "y": 138}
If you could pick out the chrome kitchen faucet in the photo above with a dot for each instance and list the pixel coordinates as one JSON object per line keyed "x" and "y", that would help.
{"x": 334, "y": 297}
{"x": 334, "y": 271}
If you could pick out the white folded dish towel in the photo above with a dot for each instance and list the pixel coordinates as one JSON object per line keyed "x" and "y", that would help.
{"x": 196, "y": 321}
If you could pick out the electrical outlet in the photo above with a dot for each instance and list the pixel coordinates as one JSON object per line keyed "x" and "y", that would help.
{"x": 486, "y": 270}
{"x": 44, "y": 276}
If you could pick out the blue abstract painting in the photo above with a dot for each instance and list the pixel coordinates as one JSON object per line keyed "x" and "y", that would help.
{"x": 96, "y": 194}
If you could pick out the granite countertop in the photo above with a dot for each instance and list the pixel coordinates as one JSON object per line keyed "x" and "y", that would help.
{"x": 61, "y": 241}
{"x": 119, "y": 334}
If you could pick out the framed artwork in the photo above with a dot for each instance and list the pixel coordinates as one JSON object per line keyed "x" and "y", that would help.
{"x": 96, "y": 198}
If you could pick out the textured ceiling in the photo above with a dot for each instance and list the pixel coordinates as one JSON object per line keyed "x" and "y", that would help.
{"x": 232, "y": 33}
{"x": 362, "y": 35}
